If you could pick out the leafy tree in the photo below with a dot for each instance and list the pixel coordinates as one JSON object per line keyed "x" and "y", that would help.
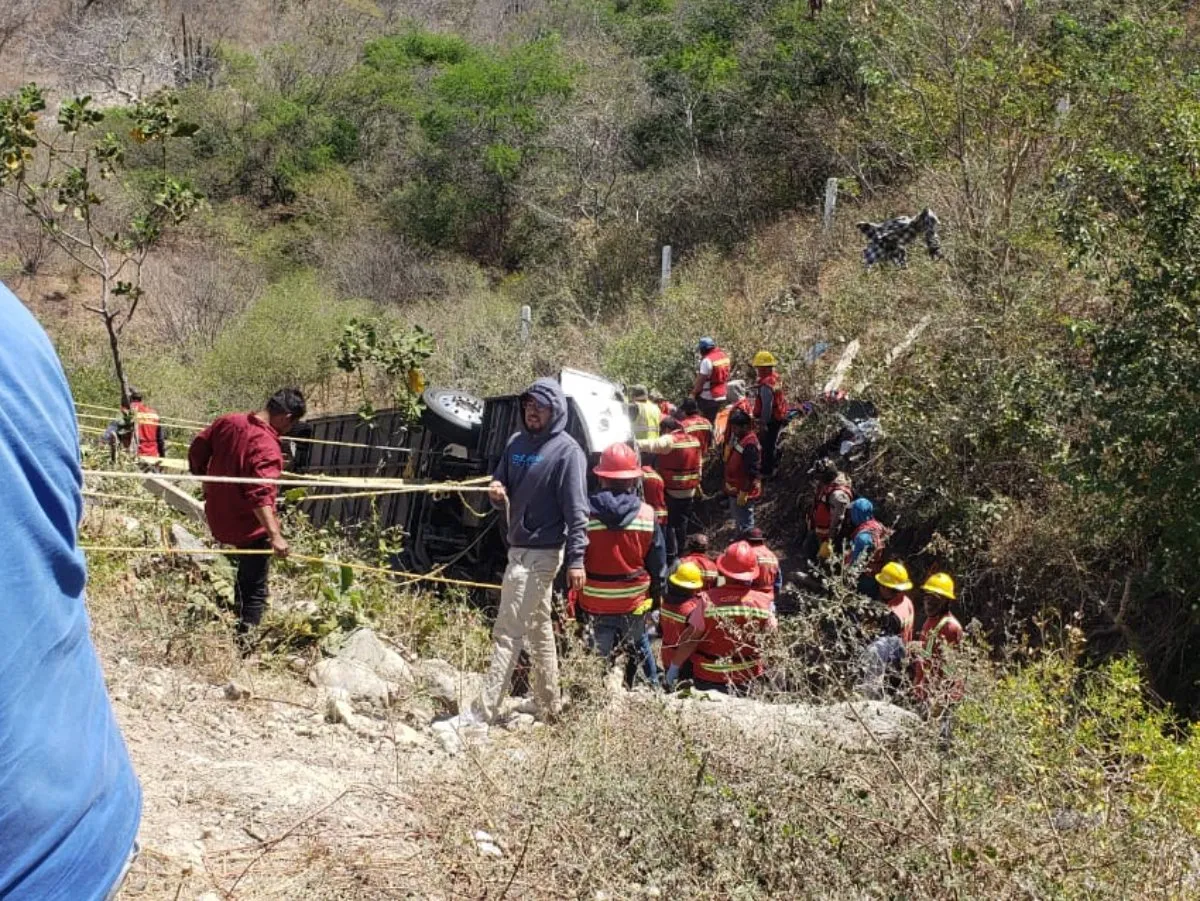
{"x": 55, "y": 175}
{"x": 388, "y": 357}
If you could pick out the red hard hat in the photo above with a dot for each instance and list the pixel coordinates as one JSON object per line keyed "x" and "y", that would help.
{"x": 739, "y": 562}
{"x": 619, "y": 461}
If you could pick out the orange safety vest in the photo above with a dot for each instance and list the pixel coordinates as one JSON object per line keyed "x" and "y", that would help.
{"x": 737, "y": 479}
{"x": 680, "y": 466}
{"x": 653, "y": 489}
{"x": 700, "y": 429}
{"x": 672, "y": 618}
{"x": 822, "y": 514}
{"x": 778, "y": 401}
{"x": 708, "y": 567}
{"x": 901, "y": 606}
{"x": 768, "y": 568}
{"x": 617, "y": 581}
{"x": 715, "y": 385}
{"x": 146, "y": 423}
{"x": 879, "y": 533}
{"x": 734, "y": 617}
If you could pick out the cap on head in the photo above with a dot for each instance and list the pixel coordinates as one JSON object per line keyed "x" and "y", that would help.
{"x": 134, "y": 394}
{"x": 639, "y": 392}
{"x": 894, "y": 575}
{"x": 618, "y": 461}
{"x": 688, "y": 576}
{"x": 706, "y": 344}
{"x": 940, "y": 584}
{"x": 861, "y": 510}
{"x": 739, "y": 418}
{"x": 739, "y": 562}
{"x": 764, "y": 358}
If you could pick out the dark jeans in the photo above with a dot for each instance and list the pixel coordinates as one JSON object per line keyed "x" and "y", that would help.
{"x": 679, "y": 510}
{"x": 610, "y": 635}
{"x": 250, "y": 589}
{"x": 709, "y": 408}
{"x": 769, "y": 438}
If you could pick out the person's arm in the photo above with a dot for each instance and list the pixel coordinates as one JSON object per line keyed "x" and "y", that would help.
{"x": 161, "y": 438}
{"x": 862, "y": 544}
{"x": 778, "y": 580}
{"x": 498, "y": 489}
{"x": 703, "y": 371}
{"x": 839, "y": 501}
{"x": 266, "y": 463}
{"x": 573, "y": 500}
{"x": 689, "y": 640}
{"x": 200, "y": 452}
{"x": 750, "y": 460}
{"x": 766, "y": 400}
{"x": 659, "y": 445}
{"x": 110, "y": 438}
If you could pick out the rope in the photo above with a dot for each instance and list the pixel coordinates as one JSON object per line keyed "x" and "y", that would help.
{"x": 121, "y": 497}
{"x": 399, "y": 484}
{"x": 194, "y": 426}
{"x": 248, "y": 552}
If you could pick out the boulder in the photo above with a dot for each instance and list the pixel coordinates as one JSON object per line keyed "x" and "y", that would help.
{"x": 349, "y": 679}
{"x": 447, "y": 685}
{"x": 365, "y": 647}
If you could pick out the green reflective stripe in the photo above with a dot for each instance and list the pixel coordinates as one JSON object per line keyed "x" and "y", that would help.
{"x": 729, "y": 611}
{"x": 640, "y": 525}
{"x": 731, "y": 667}
{"x": 595, "y": 525}
{"x": 629, "y": 592}
{"x": 672, "y": 616}
{"x": 686, "y": 477}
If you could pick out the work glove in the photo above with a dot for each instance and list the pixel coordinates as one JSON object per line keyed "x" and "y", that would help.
{"x": 743, "y": 499}
{"x": 672, "y": 676}
{"x": 825, "y": 551}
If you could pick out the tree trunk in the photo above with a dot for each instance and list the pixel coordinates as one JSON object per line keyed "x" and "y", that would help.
{"x": 115, "y": 344}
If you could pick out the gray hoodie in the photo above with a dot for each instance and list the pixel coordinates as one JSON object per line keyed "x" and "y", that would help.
{"x": 546, "y": 479}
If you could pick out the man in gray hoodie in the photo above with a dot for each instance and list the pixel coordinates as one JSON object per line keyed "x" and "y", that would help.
{"x": 541, "y": 487}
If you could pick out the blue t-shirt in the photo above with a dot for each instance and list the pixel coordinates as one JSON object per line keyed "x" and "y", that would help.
{"x": 69, "y": 800}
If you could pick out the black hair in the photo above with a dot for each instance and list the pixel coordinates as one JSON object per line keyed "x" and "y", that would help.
{"x": 689, "y": 407}
{"x": 670, "y": 424}
{"x": 134, "y": 394}
{"x": 287, "y": 401}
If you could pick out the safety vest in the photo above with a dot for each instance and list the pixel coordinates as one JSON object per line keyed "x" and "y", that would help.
{"x": 672, "y": 617}
{"x": 734, "y": 618}
{"x": 716, "y": 381}
{"x": 617, "y": 581}
{"x": 700, "y": 429}
{"x": 768, "y": 568}
{"x": 879, "y": 536}
{"x": 680, "y": 466}
{"x": 779, "y": 406}
{"x": 936, "y": 635}
{"x": 646, "y": 422}
{"x": 901, "y": 606}
{"x": 708, "y": 566}
{"x": 146, "y": 424}
{"x": 822, "y": 514}
{"x": 655, "y": 494}
{"x": 737, "y": 480}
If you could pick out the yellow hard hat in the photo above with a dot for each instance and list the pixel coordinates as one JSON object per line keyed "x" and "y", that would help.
{"x": 940, "y": 584}
{"x": 894, "y": 576}
{"x": 765, "y": 358}
{"x": 688, "y": 576}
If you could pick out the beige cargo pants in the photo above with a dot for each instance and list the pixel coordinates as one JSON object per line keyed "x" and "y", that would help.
{"x": 524, "y": 619}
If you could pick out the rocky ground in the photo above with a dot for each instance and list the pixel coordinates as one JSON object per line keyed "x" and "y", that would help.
{"x": 306, "y": 782}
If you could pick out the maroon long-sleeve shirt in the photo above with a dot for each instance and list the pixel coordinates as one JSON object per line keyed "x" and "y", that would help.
{"x": 237, "y": 444}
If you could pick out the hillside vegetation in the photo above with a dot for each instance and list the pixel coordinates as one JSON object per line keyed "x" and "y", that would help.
{"x": 443, "y": 165}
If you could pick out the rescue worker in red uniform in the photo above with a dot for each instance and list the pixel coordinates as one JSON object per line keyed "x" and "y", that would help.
{"x": 678, "y": 459}
{"x": 625, "y": 564}
{"x": 653, "y": 490}
{"x": 833, "y": 496}
{"x": 941, "y": 631}
{"x": 867, "y": 543}
{"x": 770, "y": 577}
{"x": 683, "y": 585}
{"x": 696, "y": 551}
{"x": 712, "y": 377}
{"x": 894, "y": 585}
{"x": 770, "y": 408}
{"x": 743, "y": 484}
{"x": 723, "y": 635}
{"x": 694, "y": 423}
{"x": 882, "y": 663}
{"x": 139, "y": 429}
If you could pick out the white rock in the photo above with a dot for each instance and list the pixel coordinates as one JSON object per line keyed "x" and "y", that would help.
{"x": 351, "y": 679}
{"x": 446, "y": 684}
{"x": 486, "y": 844}
{"x": 365, "y": 647}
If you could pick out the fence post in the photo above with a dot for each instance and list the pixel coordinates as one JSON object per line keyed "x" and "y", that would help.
{"x": 664, "y": 280}
{"x": 525, "y": 326}
{"x": 831, "y": 189}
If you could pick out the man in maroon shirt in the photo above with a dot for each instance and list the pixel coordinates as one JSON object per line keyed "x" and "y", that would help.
{"x": 246, "y": 445}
